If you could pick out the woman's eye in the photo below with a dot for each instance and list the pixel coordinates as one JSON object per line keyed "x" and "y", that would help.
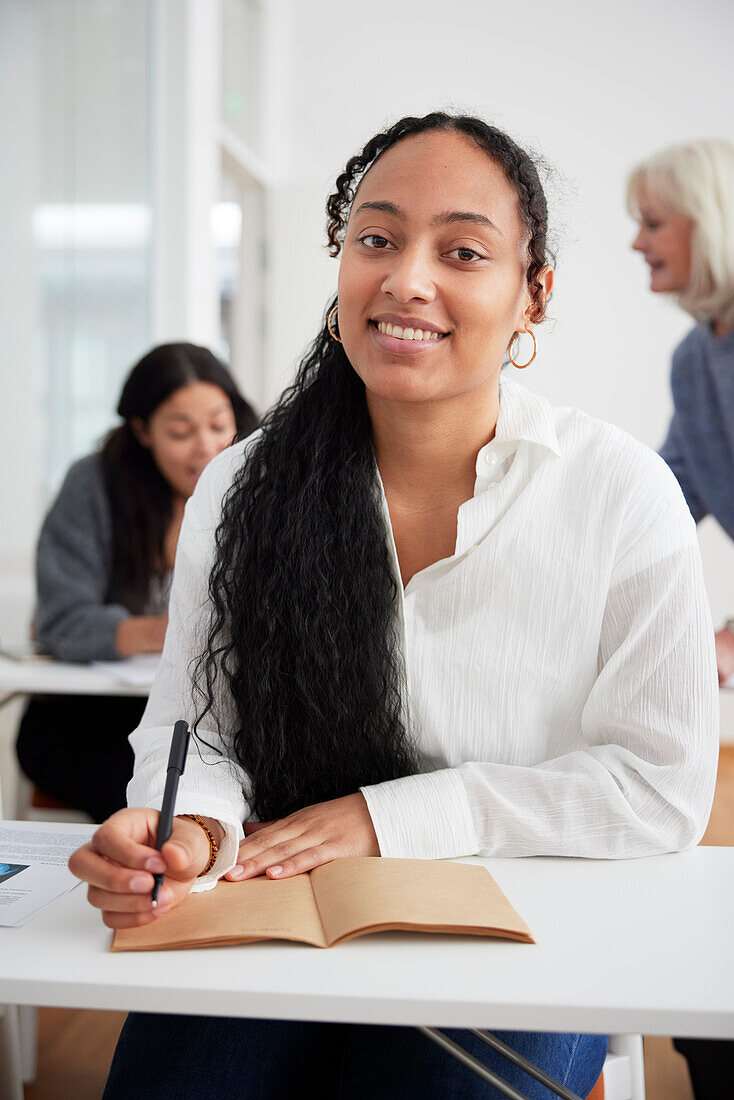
{"x": 466, "y": 255}
{"x": 373, "y": 240}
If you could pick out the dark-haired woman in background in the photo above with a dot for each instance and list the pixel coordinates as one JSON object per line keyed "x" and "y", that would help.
{"x": 104, "y": 562}
{"x": 444, "y": 618}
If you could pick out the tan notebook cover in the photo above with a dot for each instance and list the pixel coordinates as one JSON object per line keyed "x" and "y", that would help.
{"x": 340, "y": 900}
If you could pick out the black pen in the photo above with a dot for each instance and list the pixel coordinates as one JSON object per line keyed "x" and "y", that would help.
{"x": 176, "y": 765}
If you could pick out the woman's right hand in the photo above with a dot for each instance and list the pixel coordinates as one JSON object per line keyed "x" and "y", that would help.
{"x": 141, "y": 634}
{"x": 119, "y": 861}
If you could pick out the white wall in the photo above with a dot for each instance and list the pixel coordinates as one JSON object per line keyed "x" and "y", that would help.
{"x": 593, "y": 88}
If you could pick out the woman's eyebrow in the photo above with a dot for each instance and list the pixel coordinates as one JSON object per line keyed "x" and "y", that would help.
{"x": 383, "y": 208}
{"x": 450, "y": 216}
{"x": 446, "y": 218}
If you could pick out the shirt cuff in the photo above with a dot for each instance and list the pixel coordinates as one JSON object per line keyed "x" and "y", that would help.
{"x": 229, "y": 846}
{"x": 422, "y": 816}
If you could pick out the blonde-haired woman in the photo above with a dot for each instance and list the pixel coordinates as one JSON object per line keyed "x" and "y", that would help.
{"x": 683, "y": 199}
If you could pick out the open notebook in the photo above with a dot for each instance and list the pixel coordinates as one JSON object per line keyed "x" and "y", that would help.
{"x": 340, "y": 900}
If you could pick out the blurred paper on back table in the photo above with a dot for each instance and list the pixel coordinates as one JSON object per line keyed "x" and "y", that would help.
{"x": 137, "y": 671}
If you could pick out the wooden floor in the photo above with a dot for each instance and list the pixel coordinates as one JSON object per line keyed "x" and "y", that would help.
{"x": 74, "y": 1053}
{"x": 75, "y": 1048}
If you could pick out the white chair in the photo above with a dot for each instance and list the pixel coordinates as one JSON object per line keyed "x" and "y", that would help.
{"x": 624, "y": 1069}
{"x": 11, "y": 1046}
{"x": 11, "y": 1062}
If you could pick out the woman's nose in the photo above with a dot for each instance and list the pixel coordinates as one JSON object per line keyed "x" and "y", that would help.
{"x": 206, "y": 446}
{"x": 638, "y": 242}
{"x": 409, "y": 276}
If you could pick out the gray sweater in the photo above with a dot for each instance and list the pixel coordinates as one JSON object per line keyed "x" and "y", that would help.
{"x": 80, "y": 603}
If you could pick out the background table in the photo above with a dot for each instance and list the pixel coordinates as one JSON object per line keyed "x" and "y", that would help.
{"x": 623, "y": 946}
{"x": 45, "y": 677}
{"x": 59, "y": 678}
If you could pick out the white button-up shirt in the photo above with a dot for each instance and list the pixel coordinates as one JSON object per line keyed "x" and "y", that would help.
{"x": 562, "y": 685}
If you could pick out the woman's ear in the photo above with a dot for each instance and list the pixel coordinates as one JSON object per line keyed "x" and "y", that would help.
{"x": 535, "y": 311}
{"x": 140, "y": 431}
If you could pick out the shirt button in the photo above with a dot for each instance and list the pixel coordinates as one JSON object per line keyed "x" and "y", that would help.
{"x": 490, "y": 458}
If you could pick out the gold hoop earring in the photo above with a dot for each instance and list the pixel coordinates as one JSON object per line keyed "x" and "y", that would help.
{"x": 522, "y": 366}
{"x": 328, "y": 324}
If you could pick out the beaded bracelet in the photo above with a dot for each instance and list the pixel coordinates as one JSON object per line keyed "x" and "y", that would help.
{"x": 213, "y": 846}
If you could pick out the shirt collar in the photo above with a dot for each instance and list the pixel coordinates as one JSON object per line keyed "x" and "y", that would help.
{"x": 524, "y": 417}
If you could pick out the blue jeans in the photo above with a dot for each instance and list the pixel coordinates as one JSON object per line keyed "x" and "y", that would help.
{"x": 207, "y": 1058}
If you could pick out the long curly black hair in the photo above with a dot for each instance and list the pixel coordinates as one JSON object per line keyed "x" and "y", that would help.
{"x": 304, "y": 635}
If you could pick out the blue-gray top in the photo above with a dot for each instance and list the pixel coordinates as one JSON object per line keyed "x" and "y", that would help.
{"x": 700, "y": 444}
{"x": 80, "y": 602}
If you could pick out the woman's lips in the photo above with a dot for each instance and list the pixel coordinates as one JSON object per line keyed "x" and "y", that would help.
{"x": 398, "y": 346}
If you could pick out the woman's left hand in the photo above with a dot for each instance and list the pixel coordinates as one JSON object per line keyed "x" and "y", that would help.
{"x": 304, "y": 840}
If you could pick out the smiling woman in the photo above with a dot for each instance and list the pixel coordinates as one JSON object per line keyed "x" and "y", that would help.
{"x": 438, "y": 617}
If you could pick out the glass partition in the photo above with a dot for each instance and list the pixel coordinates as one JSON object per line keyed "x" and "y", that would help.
{"x": 91, "y": 222}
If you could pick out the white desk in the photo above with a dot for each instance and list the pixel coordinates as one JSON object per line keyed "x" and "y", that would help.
{"x": 623, "y": 946}
{"x": 59, "y": 678}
